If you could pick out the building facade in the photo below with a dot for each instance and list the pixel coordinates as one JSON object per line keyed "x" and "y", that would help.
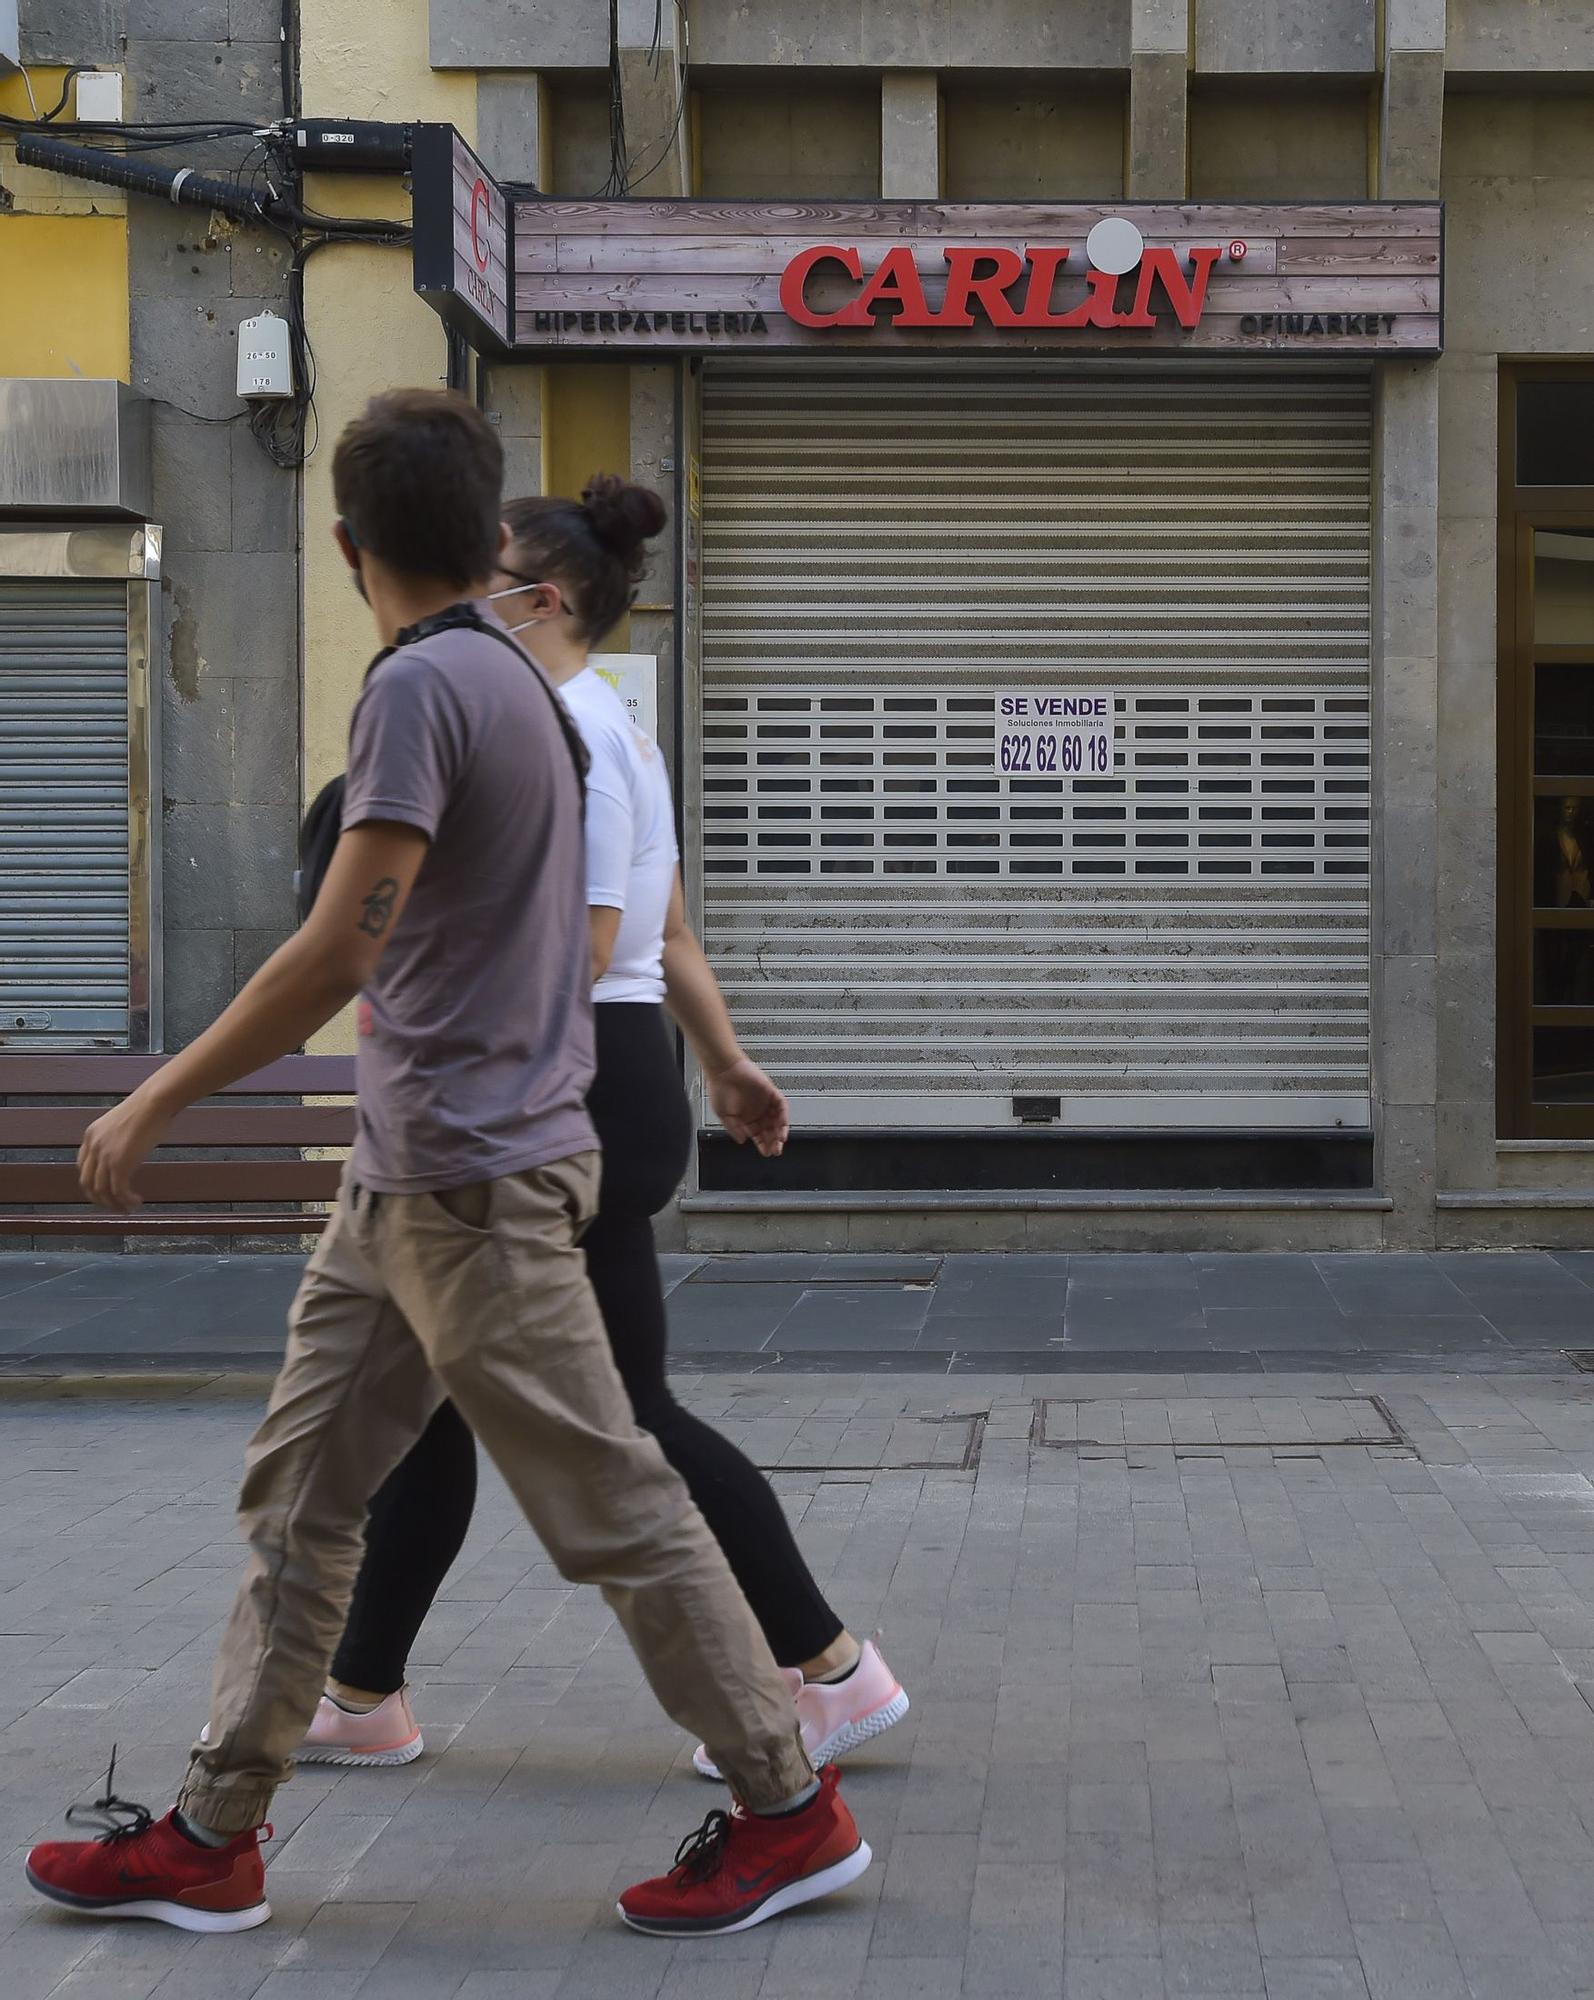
{"x": 97, "y": 285}
{"x": 1131, "y": 694}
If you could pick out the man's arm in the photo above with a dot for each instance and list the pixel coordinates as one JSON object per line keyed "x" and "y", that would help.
{"x": 745, "y": 1100}
{"x": 298, "y": 989}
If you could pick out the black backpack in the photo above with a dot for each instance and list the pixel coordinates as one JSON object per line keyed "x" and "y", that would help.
{"x": 323, "y": 823}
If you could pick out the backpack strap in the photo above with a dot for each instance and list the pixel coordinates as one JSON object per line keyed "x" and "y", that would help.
{"x": 465, "y": 616}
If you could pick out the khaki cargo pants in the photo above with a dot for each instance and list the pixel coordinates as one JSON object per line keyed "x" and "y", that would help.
{"x": 480, "y": 1294}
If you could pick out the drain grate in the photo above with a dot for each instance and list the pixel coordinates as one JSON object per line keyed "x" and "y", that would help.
{"x": 1580, "y": 1357}
{"x": 1194, "y": 1426}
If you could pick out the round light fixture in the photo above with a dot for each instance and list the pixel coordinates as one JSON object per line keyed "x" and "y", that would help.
{"x": 1115, "y": 245}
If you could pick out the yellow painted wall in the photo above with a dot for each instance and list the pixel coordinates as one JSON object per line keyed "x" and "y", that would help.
{"x": 587, "y": 429}
{"x": 63, "y": 295}
{"x": 359, "y": 59}
{"x": 63, "y": 262}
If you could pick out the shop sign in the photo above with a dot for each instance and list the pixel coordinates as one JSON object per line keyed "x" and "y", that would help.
{"x": 630, "y": 277}
{"x": 1053, "y": 733}
{"x": 462, "y": 236}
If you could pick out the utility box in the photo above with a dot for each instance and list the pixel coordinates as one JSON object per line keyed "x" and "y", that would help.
{"x": 10, "y": 38}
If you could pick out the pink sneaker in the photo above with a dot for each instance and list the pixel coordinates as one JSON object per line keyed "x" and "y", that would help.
{"x": 838, "y": 1717}
{"x": 386, "y": 1734}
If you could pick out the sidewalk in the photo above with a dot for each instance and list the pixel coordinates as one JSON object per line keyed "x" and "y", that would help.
{"x": 951, "y": 1315}
{"x": 1221, "y": 1691}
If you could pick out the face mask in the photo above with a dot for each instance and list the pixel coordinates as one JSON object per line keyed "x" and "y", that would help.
{"x": 516, "y": 590}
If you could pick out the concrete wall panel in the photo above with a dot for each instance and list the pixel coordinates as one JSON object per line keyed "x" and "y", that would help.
{"x": 513, "y": 132}
{"x": 517, "y": 34}
{"x": 1519, "y": 37}
{"x": 790, "y": 139}
{"x": 1021, "y": 142}
{"x": 912, "y": 34}
{"x": 1305, "y": 144}
{"x": 578, "y": 148}
{"x": 1250, "y": 37}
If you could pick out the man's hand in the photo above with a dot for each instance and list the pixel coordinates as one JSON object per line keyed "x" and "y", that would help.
{"x": 750, "y": 1106}
{"x": 115, "y": 1146}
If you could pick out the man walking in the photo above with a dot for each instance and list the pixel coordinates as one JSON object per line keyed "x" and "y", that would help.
{"x": 454, "y": 906}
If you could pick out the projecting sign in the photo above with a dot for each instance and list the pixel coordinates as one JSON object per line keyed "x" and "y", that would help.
{"x": 635, "y": 679}
{"x": 462, "y": 237}
{"x": 1053, "y": 733}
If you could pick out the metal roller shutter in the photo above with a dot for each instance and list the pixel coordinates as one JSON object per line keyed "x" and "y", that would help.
{"x": 64, "y": 911}
{"x": 905, "y": 937}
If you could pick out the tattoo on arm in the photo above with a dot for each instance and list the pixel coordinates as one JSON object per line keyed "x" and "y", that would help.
{"x": 378, "y": 907}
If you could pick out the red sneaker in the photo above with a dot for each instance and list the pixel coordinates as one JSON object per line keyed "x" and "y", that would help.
{"x": 144, "y": 1867}
{"x": 738, "y": 1869}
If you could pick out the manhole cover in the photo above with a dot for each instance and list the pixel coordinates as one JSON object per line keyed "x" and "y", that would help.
{"x": 861, "y": 1445}
{"x": 1214, "y": 1423}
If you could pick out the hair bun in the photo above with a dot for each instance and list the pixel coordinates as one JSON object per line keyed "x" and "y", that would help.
{"x": 623, "y": 516}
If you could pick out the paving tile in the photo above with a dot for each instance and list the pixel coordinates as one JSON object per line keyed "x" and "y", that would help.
{"x": 831, "y": 1316}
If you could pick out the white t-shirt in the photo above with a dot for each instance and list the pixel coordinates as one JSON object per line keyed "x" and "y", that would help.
{"x": 631, "y": 850}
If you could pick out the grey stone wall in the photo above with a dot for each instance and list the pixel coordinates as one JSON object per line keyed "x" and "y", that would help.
{"x": 230, "y": 683}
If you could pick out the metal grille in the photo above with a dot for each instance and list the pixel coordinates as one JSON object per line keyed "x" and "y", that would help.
{"x": 908, "y": 937}
{"x": 63, "y": 812}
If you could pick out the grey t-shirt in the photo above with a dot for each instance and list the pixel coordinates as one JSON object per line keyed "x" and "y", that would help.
{"x": 475, "y": 1042}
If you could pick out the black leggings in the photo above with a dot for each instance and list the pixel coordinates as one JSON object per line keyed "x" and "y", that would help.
{"x": 419, "y": 1516}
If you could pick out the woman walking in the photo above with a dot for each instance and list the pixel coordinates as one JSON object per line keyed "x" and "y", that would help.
{"x": 568, "y": 578}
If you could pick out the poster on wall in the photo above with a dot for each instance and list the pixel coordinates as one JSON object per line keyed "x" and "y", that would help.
{"x": 635, "y": 679}
{"x": 1053, "y": 733}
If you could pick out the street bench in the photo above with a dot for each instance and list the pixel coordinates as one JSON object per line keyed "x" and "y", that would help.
{"x": 47, "y": 1101}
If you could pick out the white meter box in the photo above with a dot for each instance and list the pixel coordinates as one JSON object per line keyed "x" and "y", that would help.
{"x": 1053, "y": 733}
{"x": 265, "y": 357}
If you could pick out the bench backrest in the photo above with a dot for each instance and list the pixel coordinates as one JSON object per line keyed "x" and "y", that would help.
{"x": 37, "y": 1115}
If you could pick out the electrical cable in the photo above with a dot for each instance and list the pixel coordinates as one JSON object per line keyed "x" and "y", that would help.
{"x": 286, "y": 428}
{"x": 289, "y": 34}
{"x": 77, "y": 70}
{"x": 634, "y": 179}
{"x": 616, "y": 185}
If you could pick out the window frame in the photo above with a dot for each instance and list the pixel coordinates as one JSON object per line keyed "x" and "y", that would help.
{"x": 1523, "y": 510}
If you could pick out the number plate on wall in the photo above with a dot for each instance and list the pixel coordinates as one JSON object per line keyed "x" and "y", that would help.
{"x": 1053, "y": 733}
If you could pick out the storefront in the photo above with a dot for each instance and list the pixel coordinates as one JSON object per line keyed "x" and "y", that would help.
{"x": 1024, "y": 658}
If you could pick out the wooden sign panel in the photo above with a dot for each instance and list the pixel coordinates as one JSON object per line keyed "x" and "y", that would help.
{"x": 462, "y": 237}
{"x": 1306, "y": 279}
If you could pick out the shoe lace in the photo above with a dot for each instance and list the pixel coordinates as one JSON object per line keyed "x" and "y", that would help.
{"x": 701, "y": 1853}
{"x": 118, "y": 1819}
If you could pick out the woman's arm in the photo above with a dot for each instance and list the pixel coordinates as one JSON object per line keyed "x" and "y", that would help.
{"x": 605, "y": 923}
{"x": 745, "y": 1100}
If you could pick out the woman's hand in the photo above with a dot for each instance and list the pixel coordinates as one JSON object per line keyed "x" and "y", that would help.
{"x": 750, "y": 1106}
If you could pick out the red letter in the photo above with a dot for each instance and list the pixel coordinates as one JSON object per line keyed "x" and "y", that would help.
{"x": 1006, "y": 268}
{"x": 1043, "y": 268}
{"x": 1187, "y": 297}
{"x": 897, "y": 280}
{"x": 479, "y": 199}
{"x": 795, "y": 277}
